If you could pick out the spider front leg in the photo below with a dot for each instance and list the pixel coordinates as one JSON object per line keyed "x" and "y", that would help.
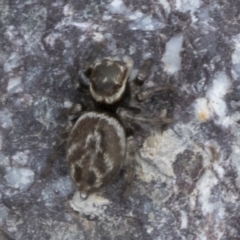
{"x": 133, "y": 112}
{"x": 144, "y": 95}
{"x": 144, "y": 72}
{"x": 142, "y": 76}
{"x": 74, "y": 112}
{"x": 162, "y": 118}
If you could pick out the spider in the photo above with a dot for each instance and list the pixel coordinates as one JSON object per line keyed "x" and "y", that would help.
{"x": 101, "y": 143}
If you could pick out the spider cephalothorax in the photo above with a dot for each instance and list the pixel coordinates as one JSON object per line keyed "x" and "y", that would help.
{"x": 108, "y": 80}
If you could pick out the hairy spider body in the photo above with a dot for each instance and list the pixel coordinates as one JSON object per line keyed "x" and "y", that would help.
{"x": 98, "y": 147}
{"x": 97, "y": 143}
{"x": 96, "y": 151}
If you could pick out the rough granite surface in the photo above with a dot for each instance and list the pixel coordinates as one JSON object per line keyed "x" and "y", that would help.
{"x": 187, "y": 180}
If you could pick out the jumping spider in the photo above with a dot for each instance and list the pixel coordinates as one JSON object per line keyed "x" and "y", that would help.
{"x": 101, "y": 143}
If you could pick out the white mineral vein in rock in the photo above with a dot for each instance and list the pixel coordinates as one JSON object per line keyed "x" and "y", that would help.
{"x": 117, "y": 7}
{"x": 98, "y": 37}
{"x": 213, "y": 106}
{"x": 186, "y": 5}
{"x": 236, "y": 53}
{"x": 68, "y": 10}
{"x": 94, "y": 204}
{"x": 160, "y": 150}
{"x": 204, "y": 187}
{"x": 68, "y": 22}
{"x": 6, "y": 118}
{"x": 135, "y": 15}
{"x": 215, "y": 95}
{"x": 3, "y": 213}
{"x": 236, "y": 57}
{"x": 145, "y": 23}
{"x": 184, "y": 220}
{"x": 14, "y": 85}
{"x": 19, "y": 178}
{"x": 14, "y": 61}
{"x": 171, "y": 57}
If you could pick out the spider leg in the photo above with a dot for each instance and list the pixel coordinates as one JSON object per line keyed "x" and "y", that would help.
{"x": 144, "y": 95}
{"x": 141, "y": 77}
{"x": 74, "y": 112}
{"x": 144, "y": 72}
{"x": 132, "y": 119}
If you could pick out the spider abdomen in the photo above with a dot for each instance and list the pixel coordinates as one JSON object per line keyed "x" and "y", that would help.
{"x": 96, "y": 151}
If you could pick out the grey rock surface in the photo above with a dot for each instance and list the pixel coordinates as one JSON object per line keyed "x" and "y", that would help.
{"x": 188, "y": 176}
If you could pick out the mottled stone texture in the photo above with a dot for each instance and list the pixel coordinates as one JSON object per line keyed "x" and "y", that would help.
{"x": 188, "y": 176}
